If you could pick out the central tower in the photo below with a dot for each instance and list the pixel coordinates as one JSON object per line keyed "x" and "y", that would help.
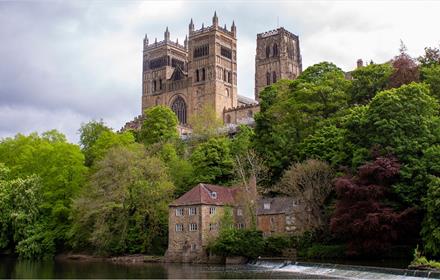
{"x": 212, "y": 66}
{"x": 278, "y": 57}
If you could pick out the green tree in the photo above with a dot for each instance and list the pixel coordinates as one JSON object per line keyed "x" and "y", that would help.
{"x": 212, "y": 162}
{"x": 369, "y": 80}
{"x": 431, "y": 224}
{"x": 125, "y": 208}
{"x": 160, "y": 125}
{"x": 89, "y": 134}
{"x": 108, "y": 140}
{"x": 431, "y": 76}
{"x": 205, "y": 124}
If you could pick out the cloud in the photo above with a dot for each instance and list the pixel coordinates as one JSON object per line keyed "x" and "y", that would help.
{"x": 67, "y": 62}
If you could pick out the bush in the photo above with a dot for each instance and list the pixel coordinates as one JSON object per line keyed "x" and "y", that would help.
{"x": 274, "y": 245}
{"x": 321, "y": 251}
{"x": 238, "y": 242}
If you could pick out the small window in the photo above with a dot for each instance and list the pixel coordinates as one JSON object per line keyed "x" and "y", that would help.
{"x": 192, "y": 211}
{"x": 239, "y": 212}
{"x": 240, "y": 225}
{"x": 179, "y": 227}
{"x": 192, "y": 227}
{"x": 274, "y": 77}
{"x": 193, "y": 247}
{"x": 267, "y": 78}
{"x": 214, "y": 195}
{"x": 212, "y": 210}
{"x": 225, "y": 75}
{"x": 160, "y": 84}
{"x": 154, "y": 85}
{"x": 275, "y": 50}
{"x": 227, "y": 92}
{"x": 212, "y": 227}
{"x": 203, "y": 74}
{"x": 250, "y": 114}
{"x": 228, "y": 118}
{"x": 229, "y": 77}
{"x": 266, "y": 205}
{"x": 179, "y": 212}
{"x": 267, "y": 52}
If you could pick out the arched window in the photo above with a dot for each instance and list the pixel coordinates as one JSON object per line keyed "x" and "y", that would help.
{"x": 228, "y": 118}
{"x": 274, "y": 77}
{"x": 179, "y": 108}
{"x": 229, "y": 78}
{"x": 197, "y": 75}
{"x": 275, "y": 49}
{"x": 203, "y": 74}
{"x": 227, "y": 92}
{"x": 267, "y": 52}
{"x": 160, "y": 84}
{"x": 154, "y": 85}
{"x": 224, "y": 75}
{"x": 267, "y": 78}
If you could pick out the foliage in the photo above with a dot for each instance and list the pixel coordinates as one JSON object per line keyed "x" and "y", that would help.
{"x": 324, "y": 251}
{"x": 431, "y": 76}
{"x": 420, "y": 260}
{"x": 430, "y": 58}
{"x": 108, "y": 140}
{"x": 364, "y": 216}
{"x": 60, "y": 166}
{"x": 369, "y": 80}
{"x": 205, "y": 124}
{"x": 406, "y": 70}
{"x": 238, "y": 242}
{"x": 212, "y": 162}
{"x": 160, "y": 125}
{"x": 431, "y": 225}
{"x": 89, "y": 134}
{"x": 292, "y": 110}
{"x": 124, "y": 210}
{"x": 242, "y": 141}
{"x": 310, "y": 183}
{"x": 275, "y": 245}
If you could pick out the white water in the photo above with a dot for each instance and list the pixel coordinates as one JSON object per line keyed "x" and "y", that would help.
{"x": 339, "y": 271}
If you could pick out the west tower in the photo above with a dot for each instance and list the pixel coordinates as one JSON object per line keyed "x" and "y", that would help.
{"x": 212, "y": 66}
{"x": 277, "y": 57}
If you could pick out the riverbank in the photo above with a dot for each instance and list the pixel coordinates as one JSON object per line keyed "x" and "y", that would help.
{"x": 126, "y": 259}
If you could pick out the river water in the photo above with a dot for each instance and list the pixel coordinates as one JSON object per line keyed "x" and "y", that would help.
{"x": 62, "y": 269}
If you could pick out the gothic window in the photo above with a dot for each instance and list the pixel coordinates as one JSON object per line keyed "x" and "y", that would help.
{"x": 267, "y": 52}
{"x": 160, "y": 84}
{"x": 179, "y": 108}
{"x": 201, "y": 51}
{"x": 197, "y": 75}
{"x": 229, "y": 77}
{"x": 274, "y": 77}
{"x": 267, "y": 78}
{"x": 227, "y": 92}
{"x": 224, "y": 75}
{"x": 226, "y": 52}
{"x": 275, "y": 49}
{"x": 203, "y": 74}
{"x": 154, "y": 85}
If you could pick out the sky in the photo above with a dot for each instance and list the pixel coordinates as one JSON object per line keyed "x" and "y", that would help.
{"x": 64, "y": 63}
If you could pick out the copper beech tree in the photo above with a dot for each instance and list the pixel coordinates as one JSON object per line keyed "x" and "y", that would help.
{"x": 364, "y": 216}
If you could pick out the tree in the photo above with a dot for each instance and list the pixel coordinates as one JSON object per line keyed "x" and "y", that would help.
{"x": 430, "y": 58}
{"x": 205, "y": 124}
{"x": 60, "y": 166}
{"x": 369, "y": 80}
{"x": 89, "y": 134}
{"x": 160, "y": 126}
{"x": 108, "y": 140}
{"x": 431, "y": 224}
{"x": 212, "y": 162}
{"x": 310, "y": 183}
{"x": 431, "y": 76}
{"x": 364, "y": 216}
{"x": 406, "y": 70}
{"x": 125, "y": 208}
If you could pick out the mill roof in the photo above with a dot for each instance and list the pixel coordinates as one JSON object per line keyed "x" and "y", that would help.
{"x": 277, "y": 205}
{"x": 207, "y": 194}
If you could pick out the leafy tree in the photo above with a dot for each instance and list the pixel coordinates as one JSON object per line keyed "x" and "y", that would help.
{"x": 369, "y": 80}
{"x": 430, "y": 58}
{"x": 125, "y": 208}
{"x": 405, "y": 67}
{"x": 364, "y": 216}
{"x": 212, "y": 162}
{"x": 108, "y": 140}
{"x": 431, "y": 76}
{"x": 60, "y": 166}
{"x": 160, "y": 125}
{"x": 238, "y": 242}
{"x": 431, "y": 224}
{"x": 205, "y": 124}
{"x": 310, "y": 183}
{"x": 89, "y": 134}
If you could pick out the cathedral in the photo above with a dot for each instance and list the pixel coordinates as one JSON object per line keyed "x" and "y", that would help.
{"x": 202, "y": 72}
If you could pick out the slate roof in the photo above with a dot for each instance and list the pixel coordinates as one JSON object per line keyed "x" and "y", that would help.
{"x": 278, "y": 205}
{"x": 202, "y": 194}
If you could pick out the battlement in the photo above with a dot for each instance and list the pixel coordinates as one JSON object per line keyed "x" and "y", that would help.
{"x": 148, "y": 47}
{"x": 276, "y": 32}
{"x": 241, "y": 107}
{"x": 209, "y": 29}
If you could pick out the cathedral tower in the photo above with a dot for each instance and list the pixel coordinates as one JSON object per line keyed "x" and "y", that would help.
{"x": 212, "y": 66}
{"x": 278, "y": 57}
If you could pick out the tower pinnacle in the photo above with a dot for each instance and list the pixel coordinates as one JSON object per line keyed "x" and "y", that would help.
{"x": 167, "y": 34}
{"x": 215, "y": 19}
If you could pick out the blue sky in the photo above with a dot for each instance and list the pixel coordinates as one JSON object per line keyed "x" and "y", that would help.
{"x": 67, "y": 62}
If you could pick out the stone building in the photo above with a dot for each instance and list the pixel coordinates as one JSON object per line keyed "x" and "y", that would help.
{"x": 202, "y": 72}
{"x": 194, "y": 219}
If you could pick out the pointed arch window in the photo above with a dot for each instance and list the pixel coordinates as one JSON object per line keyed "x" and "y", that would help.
{"x": 274, "y": 76}
{"x": 179, "y": 108}
{"x": 267, "y": 78}
{"x": 203, "y": 74}
{"x": 267, "y": 52}
{"x": 275, "y": 49}
{"x": 197, "y": 75}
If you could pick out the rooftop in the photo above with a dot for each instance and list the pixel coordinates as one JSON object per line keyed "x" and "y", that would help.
{"x": 207, "y": 194}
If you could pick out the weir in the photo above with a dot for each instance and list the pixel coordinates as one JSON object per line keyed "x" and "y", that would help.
{"x": 345, "y": 271}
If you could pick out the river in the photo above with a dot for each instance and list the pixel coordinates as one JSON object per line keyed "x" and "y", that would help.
{"x": 62, "y": 269}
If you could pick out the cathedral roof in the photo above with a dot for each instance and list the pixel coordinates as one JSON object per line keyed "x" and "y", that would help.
{"x": 246, "y": 100}
{"x": 207, "y": 194}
